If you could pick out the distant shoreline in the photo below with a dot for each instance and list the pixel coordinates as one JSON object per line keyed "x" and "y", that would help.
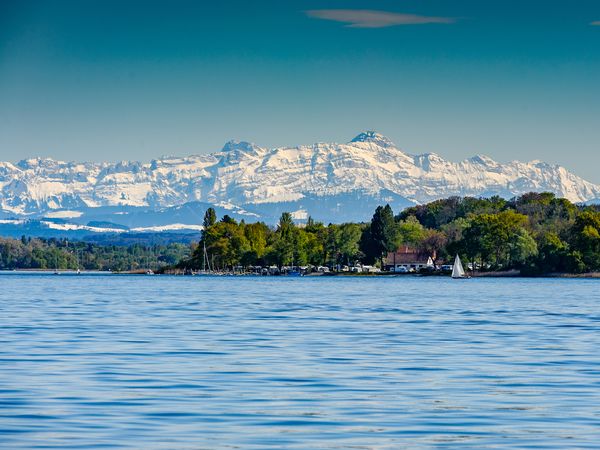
{"x": 497, "y": 274}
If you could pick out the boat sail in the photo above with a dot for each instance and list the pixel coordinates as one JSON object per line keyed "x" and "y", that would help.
{"x": 205, "y": 261}
{"x": 457, "y": 269}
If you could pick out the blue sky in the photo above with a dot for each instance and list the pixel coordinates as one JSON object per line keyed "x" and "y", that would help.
{"x": 96, "y": 80}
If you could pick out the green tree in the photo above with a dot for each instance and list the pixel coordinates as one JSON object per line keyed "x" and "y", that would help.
{"x": 381, "y": 236}
{"x": 210, "y": 218}
{"x": 314, "y": 248}
{"x": 349, "y": 242}
{"x": 522, "y": 247}
{"x": 410, "y": 232}
{"x": 552, "y": 256}
{"x": 225, "y": 243}
{"x": 284, "y": 240}
{"x": 228, "y": 219}
{"x": 490, "y": 236}
{"x": 257, "y": 235}
{"x": 585, "y": 239}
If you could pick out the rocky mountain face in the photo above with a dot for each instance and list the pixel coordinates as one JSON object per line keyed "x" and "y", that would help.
{"x": 331, "y": 182}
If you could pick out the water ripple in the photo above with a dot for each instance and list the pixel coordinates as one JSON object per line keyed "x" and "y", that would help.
{"x": 332, "y": 363}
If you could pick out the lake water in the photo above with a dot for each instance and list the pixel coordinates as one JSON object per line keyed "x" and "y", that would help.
{"x": 140, "y": 362}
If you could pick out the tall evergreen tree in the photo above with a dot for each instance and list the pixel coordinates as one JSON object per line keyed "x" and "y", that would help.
{"x": 381, "y": 235}
{"x": 285, "y": 240}
{"x": 210, "y": 218}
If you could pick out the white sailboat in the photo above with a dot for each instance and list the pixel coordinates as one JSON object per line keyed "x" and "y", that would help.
{"x": 457, "y": 269}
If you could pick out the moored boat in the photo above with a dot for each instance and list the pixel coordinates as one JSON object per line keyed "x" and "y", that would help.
{"x": 458, "y": 272}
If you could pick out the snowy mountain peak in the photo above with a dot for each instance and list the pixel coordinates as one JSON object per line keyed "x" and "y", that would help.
{"x": 6, "y": 167}
{"x": 263, "y": 182}
{"x": 375, "y": 138}
{"x": 429, "y": 161}
{"x": 32, "y": 163}
{"x": 483, "y": 160}
{"x": 245, "y": 146}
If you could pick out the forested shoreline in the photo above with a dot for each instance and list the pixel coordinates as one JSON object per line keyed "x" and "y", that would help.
{"x": 535, "y": 234}
{"x": 62, "y": 254}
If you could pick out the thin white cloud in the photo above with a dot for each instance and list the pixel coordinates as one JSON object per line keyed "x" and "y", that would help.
{"x": 366, "y": 18}
{"x": 596, "y": 23}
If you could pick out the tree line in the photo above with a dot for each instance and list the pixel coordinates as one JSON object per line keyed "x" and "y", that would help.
{"x": 61, "y": 254}
{"x": 536, "y": 233}
{"x": 230, "y": 243}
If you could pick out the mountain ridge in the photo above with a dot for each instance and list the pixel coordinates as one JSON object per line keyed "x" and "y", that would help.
{"x": 244, "y": 175}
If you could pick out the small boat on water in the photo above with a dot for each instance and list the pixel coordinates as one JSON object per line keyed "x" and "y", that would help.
{"x": 457, "y": 269}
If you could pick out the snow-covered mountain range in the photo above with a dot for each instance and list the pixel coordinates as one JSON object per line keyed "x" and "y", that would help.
{"x": 332, "y": 182}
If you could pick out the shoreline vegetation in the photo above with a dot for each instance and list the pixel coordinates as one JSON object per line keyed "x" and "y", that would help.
{"x": 171, "y": 272}
{"x": 534, "y": 235}
{"x": 39, "y": 254}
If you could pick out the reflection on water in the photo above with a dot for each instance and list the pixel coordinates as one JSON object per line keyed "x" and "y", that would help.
{"x": 376, "y": 363}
